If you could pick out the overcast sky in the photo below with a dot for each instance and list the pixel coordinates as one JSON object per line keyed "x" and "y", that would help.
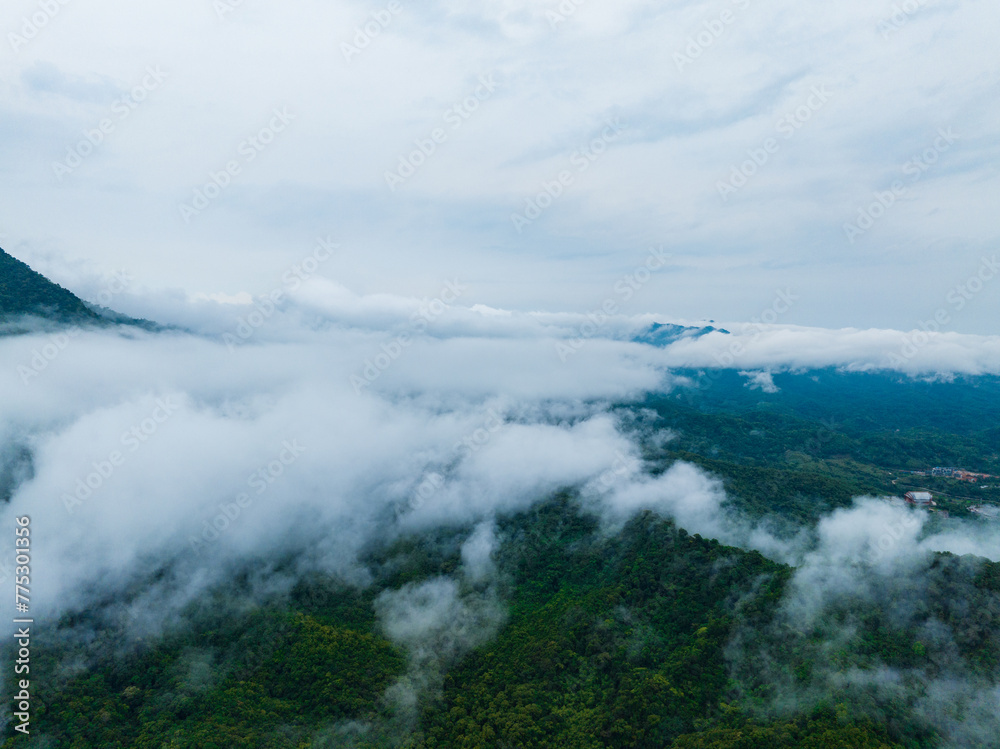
{"x": 444, "y": 193}
{"x": 751, "y": 139}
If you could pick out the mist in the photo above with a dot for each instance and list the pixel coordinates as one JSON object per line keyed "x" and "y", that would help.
{"x": 156, "y": 466}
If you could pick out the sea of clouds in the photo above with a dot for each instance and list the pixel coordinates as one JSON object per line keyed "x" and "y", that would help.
{"x": 155, "y": 465}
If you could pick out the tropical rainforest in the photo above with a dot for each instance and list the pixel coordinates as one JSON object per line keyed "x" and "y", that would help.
{"x": 583, "y": 635}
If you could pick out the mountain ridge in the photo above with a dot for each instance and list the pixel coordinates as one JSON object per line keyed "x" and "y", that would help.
{"x": 24, "y": 291}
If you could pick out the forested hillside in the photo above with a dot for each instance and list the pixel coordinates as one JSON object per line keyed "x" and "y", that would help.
{"x": 606, "y": 643}
{"x": 25, "y": 292}
{"x": 651, "y": 638}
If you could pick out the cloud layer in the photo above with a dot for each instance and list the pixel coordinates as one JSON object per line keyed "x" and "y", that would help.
{"x": 206, "y": 450}
{"x": 157, "y": 466}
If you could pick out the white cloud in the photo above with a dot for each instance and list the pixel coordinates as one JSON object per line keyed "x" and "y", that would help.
{"x": 762, "y": 381}
{"x": 181, "y": 456}
{"x": 556, "y": 87}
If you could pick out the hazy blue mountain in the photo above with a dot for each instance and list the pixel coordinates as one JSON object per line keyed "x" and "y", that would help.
{"x": 663, "y": 334}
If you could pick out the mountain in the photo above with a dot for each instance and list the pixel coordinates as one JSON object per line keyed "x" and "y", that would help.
{"x": 25, "y": 292}
{"x": 663, "y": 334}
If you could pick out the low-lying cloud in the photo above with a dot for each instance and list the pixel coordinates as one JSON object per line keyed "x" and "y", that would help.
{"x": 176, "y": 458}
{"x": 146, "y": 447}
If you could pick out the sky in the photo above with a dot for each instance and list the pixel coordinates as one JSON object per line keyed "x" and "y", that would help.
{"x": 408, "y": 247}
{"x": 533, "y": 152}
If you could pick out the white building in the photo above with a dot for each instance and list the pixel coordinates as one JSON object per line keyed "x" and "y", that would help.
{"x": 921, "y": 499}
